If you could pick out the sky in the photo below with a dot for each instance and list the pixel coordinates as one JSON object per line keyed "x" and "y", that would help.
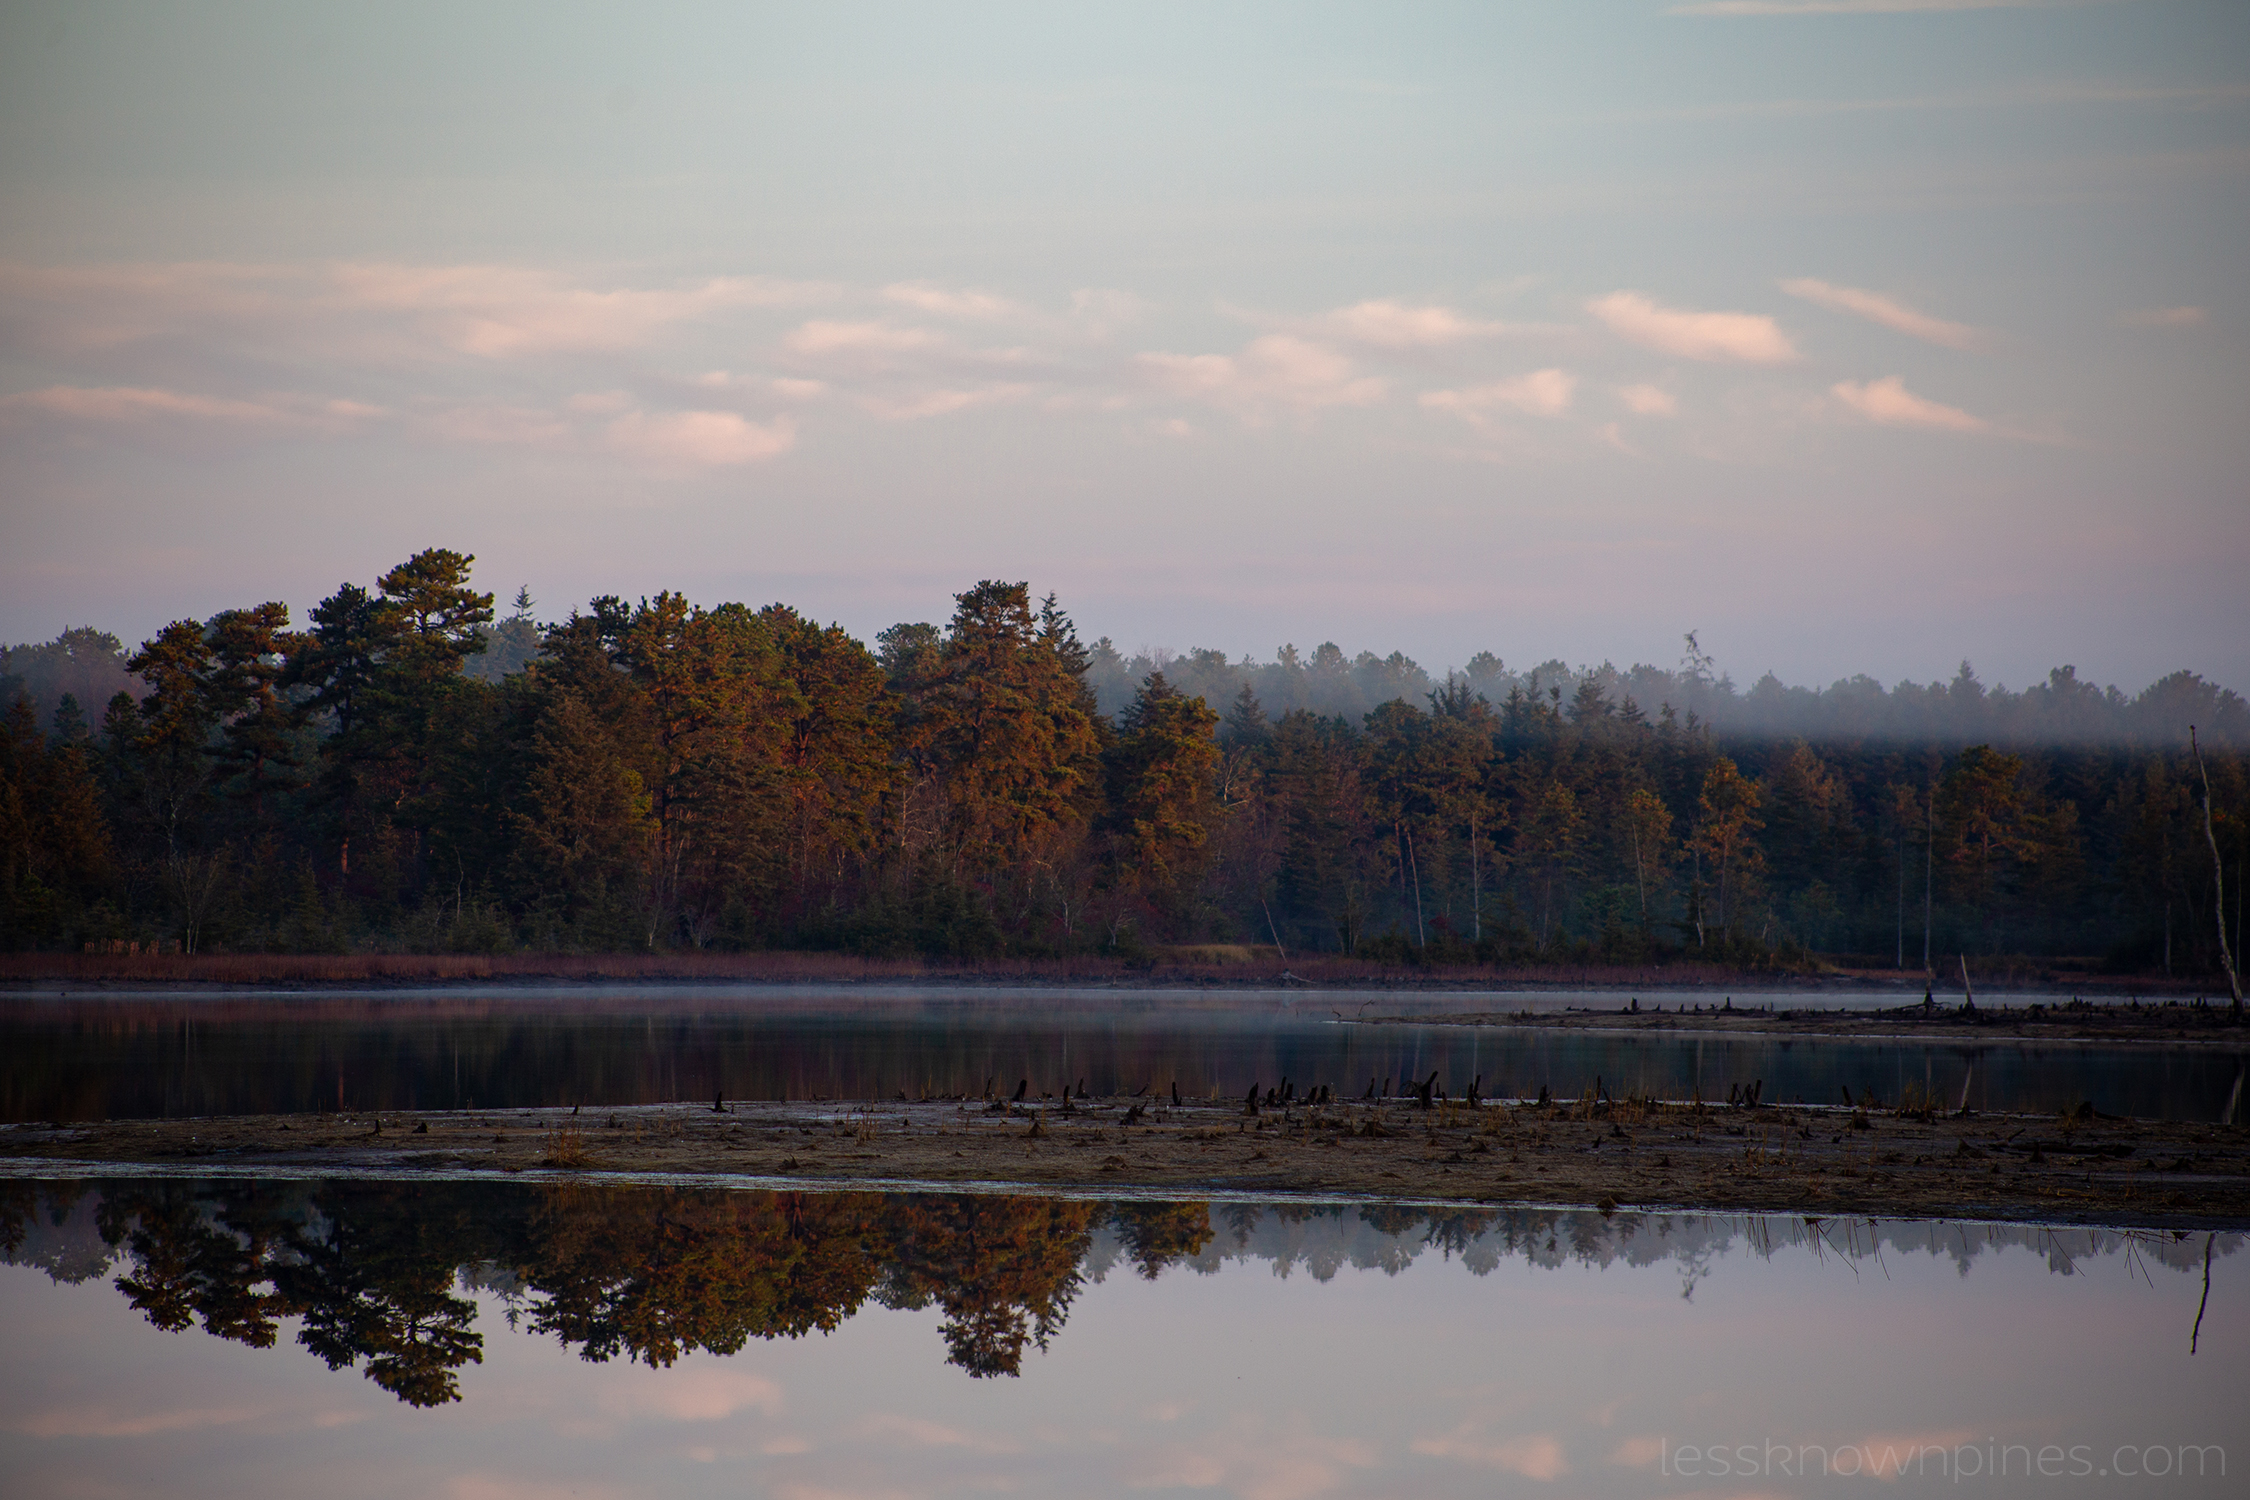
{"x": 1855, "y": 335}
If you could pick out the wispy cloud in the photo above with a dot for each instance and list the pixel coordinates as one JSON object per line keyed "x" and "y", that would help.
{"x": 1098, "y": 312}
{"x": 1648, "y": 400}
{"x": 705, "y": 439}
{"x": 1752, "y": 338}
{"x": 2166, "y": 317}
{"x": 1253, "y": 1462}
{"x": 107, "y": 1422}
{"x": 1877, "y": 308}
{"x": 1536, "y": 1457}
{"x": 941, "y": 401}
{"x": 137, "y": 404}
{"x": 2062, "y": 93}
{"x": 501, "y": 424}
{"x": 1889, "y": 403}
{"x": 510, "y": 1487}
{"x": 924, "y": 1433}
{"x": 1850, "y": 7}
{"x": 1639, "y": 1452}
{"x": 1542, "y": 393}
{"x": 828, "y": 337}
{"x": 1278, "y": 370}
{"x": 1396, "y": 325}
{"x": 942, "y": 302}
{"x": 502, "y": 311}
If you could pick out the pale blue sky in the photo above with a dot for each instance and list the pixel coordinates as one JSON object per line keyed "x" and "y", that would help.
{"x": 1859, "y": 340}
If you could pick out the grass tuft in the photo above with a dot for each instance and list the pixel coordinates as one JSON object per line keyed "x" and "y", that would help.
{"x": 565, "y": 1151}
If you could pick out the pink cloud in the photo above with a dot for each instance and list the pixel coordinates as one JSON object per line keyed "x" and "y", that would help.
{"x": 500, "y": 311}
{"x": 1277, "y": 370}
{"x": 1535, "y": 1457}
{"x": 2167, "y": 317}
{"x": 1648, "y": 401}
{"x": 1542, "y": 393}
{"x": 704, "y": 438}
{"x": 103, "y": 1422}
{"x": 827, "y": 337}
{"x": 1877, "y": 308}
{"x": 927, "y": 1434}
{"x": 1252, "y": 1462}
{"x": 519, "y": 426}
{"x": 940, "y": 402}
{"x": 943, "y": 303}
{"x": 694, "y": 1393}
{"x": 1889, "y": 403}
{"x": 1844, "y": 7}
{"x": 1751, "y": 338}
{"x": 138, "y": 403}
{"x": 1393, "y": 325}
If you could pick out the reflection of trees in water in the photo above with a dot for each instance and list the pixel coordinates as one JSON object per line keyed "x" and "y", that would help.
{"x": 375, "y": 1272}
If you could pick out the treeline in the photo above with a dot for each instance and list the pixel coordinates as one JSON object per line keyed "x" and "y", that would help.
{"x": 2063, "y": 710}
{"x": 663, "y": 776}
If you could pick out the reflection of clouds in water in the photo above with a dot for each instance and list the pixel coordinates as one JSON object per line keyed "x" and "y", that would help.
{"x": 1638, "y": 1452}
{"x": 107, "y": 1422}
{"x": 1254, "y": 1460}
{"x": 698, "y": 1394}
{"x": 917, "y": 1432}
{"x": 1539, "y": 1456}
{"x": 505, "y": 1487}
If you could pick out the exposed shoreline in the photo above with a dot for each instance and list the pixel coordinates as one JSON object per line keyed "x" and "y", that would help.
{"x": 1637, "y": 1154}
{"x": 1212, "y": 967}
{"x": 2172, "y": 1024}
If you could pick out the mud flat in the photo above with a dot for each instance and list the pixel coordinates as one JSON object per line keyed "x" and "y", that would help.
{"x": 2171, "y": 1021}
{"x": 1637, "y": 1153}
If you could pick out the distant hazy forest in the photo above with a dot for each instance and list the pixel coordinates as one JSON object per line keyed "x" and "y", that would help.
{"x": 413, "y": 772}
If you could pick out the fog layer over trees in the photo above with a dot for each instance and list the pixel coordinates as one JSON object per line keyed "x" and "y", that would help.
{"x": 411, "y": 771}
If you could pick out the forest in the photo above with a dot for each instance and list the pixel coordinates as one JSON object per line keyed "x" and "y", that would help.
{"x": 412, "y": 772}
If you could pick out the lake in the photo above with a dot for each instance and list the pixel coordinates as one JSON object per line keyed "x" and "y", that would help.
{"x": 505, "y": 1341}
{"x": 134, "y": 1055}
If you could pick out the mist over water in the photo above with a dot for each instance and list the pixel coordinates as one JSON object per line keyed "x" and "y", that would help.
{"x": 123, "y": 1058}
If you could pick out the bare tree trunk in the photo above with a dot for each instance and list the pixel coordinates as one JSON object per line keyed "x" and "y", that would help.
{"x": 1929, "y": 879}
{"x": 1275, "y": 931}
{"x": 1421, "y": 937}
{"x": 1476, "y": 887}
{"x": 2218, "y": 877}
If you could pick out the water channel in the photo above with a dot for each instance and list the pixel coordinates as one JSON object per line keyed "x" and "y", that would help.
{"x": 81, "y": 1057}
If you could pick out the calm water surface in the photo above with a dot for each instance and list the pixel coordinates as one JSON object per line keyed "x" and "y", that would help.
{"x": 75, "y": 1058}
{"x": 488, "y": 1342}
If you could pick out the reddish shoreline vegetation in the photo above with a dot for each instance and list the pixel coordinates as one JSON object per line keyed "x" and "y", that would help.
{"x": 410, "y": 775}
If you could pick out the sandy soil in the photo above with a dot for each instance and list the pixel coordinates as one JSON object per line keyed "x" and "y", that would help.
{"x": 1629, "y": 1153}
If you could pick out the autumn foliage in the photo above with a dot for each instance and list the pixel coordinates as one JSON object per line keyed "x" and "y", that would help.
{"x": 666, "y": 778}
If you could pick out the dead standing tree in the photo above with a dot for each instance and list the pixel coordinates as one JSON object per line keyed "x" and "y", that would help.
{"x": 2218, "y": 878}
